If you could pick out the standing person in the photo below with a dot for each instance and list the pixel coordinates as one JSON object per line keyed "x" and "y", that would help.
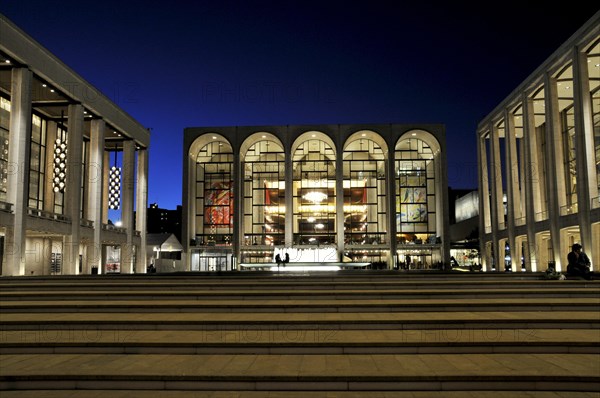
{"x": 579, "y": 262}
{"x": 407, "y": 261}
{"x": 287, "y": 259}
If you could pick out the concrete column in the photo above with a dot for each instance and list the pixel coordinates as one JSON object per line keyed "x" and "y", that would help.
{"x": 512, "y": 185}
{"x": 96, "y": 189}
{"x": 73, "y": 188}
{"x": 142, "y": 208}
{"x": 484, "y": 202}
{"x": 532, "y": 186}
{"x": 390, "y": 177}
{"x": 339, "y": 198}
{"x": 127, "y": 190}
{"x": 289, "y": 198}
{"x": 18, "y": 171}
{"x": 497, "y": 205}
{"x": 555, "y": 181}
{"x": 238, "y": 211}
{"x": 442, "y": 206}
{"x": 188, "y": 214}
{"x": 587, "y": 187}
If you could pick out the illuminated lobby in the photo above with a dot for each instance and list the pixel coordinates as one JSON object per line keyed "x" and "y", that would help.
{"x": 360, "y": 194}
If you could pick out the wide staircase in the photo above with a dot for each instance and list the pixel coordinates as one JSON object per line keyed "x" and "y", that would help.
{"x": 261, "y": 334}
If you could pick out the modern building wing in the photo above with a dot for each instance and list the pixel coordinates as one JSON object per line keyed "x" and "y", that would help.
{"x": 539, "y": 162}
{"x": 58, "y": 138}
{"x": 320, "y": 193}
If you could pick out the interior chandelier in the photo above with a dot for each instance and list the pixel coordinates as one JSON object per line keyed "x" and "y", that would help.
{"x": 315, "y": 197}
{"x": 60, "y": 165}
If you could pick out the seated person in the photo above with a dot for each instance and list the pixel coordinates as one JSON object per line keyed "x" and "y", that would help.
{"x": 579, "y": 263}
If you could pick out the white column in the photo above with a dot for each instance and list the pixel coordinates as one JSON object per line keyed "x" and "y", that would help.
{"x": 339, "y": 198}
{"x": 512, "y": 186}
{"x": 532, "y": 187}
{"x": 497, "y": 204}
{"x": 142, "y": 208}
{"x": 73, "y": 188}
{"x": 484, "y": 202}
{"x": 587, "y": 187}
{"x": 390, "y": 177}
{"x": 127, "y": 190}
{"x": 18, "y": 171}
{"x": 289, "y": 198}
{"x": 555, "y": 176}
{"x": 96, "y": 189}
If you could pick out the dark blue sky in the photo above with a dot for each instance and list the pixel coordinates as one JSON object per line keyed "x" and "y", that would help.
{"x": 180, "y": 64}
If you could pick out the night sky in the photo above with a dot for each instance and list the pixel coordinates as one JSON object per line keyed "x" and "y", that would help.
{"x": 179, "y": 64}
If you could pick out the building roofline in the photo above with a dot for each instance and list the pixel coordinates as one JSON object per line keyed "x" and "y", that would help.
{"x": 27, "y": 51}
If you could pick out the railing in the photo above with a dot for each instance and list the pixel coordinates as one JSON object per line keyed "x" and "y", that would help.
{"x": 542, "y": 215}
{"x": 137, "y": 233}
{"x": 7, "y": 207}
{"x": 110, "y": 227}
{"x": 48, "y": 215}
{"x": 569, "y": 209}
{"x": 87, "y": 223}
{"x": 521, "y": 221}
{"x": 596, "y": 202}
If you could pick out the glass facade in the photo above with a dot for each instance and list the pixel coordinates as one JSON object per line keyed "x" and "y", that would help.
{"x": 4, "y": 136}
{"x": 315, "y": 201}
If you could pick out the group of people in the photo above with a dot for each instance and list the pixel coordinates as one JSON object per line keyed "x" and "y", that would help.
{"x": 579, "y": 263}
{"x": 283, "y": 261}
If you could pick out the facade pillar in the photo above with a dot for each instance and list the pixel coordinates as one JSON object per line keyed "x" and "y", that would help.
{"x": 18, "y": 171}
{"x": 339, "y": 198}
{"x": 555, "y": 181}
{"x": 73, "y": 188}
{"x": 497, "y": 194}
{"x": 587, "y": 187}
{"x": 142, "y": 209}
{"x": 289, "y": 196}
{"x": 127, "y": 189}
{"x": 96, "y": 190}
{"x": 238, "y": 213}
{"x": 532, "y": 188}
{"x": 105, "y": 177}
{"x": 512, "y": 186}
{"x": 484, "y": 201}
{"x": 390, "y": 177}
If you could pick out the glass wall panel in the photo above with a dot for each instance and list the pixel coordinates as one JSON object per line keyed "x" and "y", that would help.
{"x": 594, "y": 83}
{"x": 214, "y": 194}
{"x": 4, "y": 136}
{"x": 314, "y": 193}
{"x": 264, "y": 198}
{"x": 365, "y": 215}
{"x": 415, "y": 193}
{"x": 539, "y": 170}
{"x": 37, "y": 163}
{"x": 567, "y": 125}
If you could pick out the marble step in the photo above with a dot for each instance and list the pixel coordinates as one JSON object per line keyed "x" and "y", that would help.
{"x": 277, "y": 341}
{"x": 350, "y": 372}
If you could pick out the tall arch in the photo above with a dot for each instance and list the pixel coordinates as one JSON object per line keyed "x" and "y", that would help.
{"x": 419, "y": 200}
{"x": 263, "y": 196}
{"x": 314, "y": 189}
{"x": 365, "y": 197}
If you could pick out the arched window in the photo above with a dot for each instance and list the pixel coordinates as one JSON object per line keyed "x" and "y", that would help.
{"x": 263, "y": 193}
{"x": 214, "y": 193}
{"x": 314, "y": 190}
{"x": 365, "y": 191}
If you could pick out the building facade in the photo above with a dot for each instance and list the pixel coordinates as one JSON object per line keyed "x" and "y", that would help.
{"x": 321, "y": 193}
{"x": 539, "y": 163}
{"x": 58, "y": 136}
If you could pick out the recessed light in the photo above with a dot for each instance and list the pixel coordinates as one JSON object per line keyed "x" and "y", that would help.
{"x": 44, "y": 85}
{"x": 51, "y": 90}
{"x": 7, "y": 61}
{"x": 363, "y": 135}
{"x": 214, "y": 138}
{"x": 414, "y": 134}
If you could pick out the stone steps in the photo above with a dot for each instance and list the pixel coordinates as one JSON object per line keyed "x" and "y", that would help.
{"x": 305, "y": 305}
{"x": 258, "y": 335}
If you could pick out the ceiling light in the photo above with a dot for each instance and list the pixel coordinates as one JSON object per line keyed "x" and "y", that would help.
{"x": 315, "y": 196}
{"x": 7, "y": 61}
